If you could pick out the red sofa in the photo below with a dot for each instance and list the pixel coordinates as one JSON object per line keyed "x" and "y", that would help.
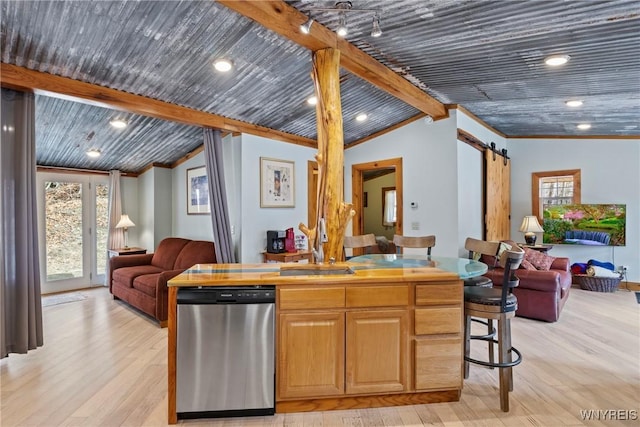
{"x": 541, "y": 294}
{"x": 141, "y": 280}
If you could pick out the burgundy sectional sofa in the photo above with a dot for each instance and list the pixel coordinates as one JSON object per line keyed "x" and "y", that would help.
{"x": 541, "y": 293}
{"x": 141, "y": 280}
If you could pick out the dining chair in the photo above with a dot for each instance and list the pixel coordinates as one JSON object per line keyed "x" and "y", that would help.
{"x": 426, "y": 242}
{"x": 366, "y": 241}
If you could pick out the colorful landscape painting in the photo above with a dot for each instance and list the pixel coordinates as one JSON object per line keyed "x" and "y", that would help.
{"x": 584, "y": 224}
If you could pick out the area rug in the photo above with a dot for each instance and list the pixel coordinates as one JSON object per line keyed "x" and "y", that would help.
{"x": 49, "y": 300}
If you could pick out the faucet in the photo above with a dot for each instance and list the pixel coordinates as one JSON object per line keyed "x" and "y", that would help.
{"x": 318, "y": 254}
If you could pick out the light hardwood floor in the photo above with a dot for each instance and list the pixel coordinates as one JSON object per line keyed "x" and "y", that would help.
{"x": 103, "y": 364}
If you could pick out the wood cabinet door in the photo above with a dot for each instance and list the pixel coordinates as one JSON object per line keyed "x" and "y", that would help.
{"x": 497, "y": 197}
{"x": 311, "y": 355}
{"x": 438, "y": 363}
{"x": 377, "y": 353}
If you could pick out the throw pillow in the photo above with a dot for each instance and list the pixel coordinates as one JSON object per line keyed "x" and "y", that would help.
{"x": 493, "y": 261}
{"x": 526, "y": 265}
{"x": 503, "y": 247}
{"x": 539, "y": 260}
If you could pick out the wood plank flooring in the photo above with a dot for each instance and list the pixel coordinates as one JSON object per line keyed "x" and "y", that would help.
{"x": 104, "y": 364}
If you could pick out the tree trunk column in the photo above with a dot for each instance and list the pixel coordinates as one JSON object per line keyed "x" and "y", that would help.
{"x": 330, "y": 157}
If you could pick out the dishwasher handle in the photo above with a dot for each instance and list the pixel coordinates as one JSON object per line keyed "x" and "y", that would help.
{"x": 227, "y": 295}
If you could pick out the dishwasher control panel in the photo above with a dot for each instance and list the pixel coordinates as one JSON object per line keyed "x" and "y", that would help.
{"x": 227, "y": 295}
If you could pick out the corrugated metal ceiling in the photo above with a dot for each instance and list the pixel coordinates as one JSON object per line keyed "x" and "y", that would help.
{"x": 484, "y": 55}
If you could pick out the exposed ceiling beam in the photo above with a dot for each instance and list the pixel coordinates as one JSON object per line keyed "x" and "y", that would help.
{"x": 285, "y": 20}
{"x": 23, "y": 79}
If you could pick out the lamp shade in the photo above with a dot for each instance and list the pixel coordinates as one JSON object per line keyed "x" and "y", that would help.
{"x": 530, "y": 224}
{"x": 125, "y": 222}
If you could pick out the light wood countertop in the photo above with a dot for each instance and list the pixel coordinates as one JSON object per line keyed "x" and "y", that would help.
{"x": 269, "y": 274}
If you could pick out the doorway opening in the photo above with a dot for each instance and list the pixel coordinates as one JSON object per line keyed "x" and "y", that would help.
{"x": 389, "y": 174}
{"x": 73, "y": 224}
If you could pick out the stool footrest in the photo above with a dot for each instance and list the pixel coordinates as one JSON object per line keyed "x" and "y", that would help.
{"x": 496, "y": 364}
{"x": 488, "y": 334}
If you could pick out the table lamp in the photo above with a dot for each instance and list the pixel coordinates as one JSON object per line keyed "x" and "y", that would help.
{"x": 125, "y": 223}
{"x": 530, "y": 226}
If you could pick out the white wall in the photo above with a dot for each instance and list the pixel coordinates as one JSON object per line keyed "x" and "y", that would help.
{"x": 163, "y": 207}
{"x": 256, "y": 220}
{"x": 197, "y": 227}
{"x": 145, "y": 232}
{"x": 478, "y": 130}
{"x": 470, "y": 221}
{"x": 610, "y": 172}
{"x": 430, "y": 178}
{"x": 155, "y": 188}
{"x": 131, "y": 207}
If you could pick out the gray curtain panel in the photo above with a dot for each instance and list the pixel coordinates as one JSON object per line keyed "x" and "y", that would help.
{"x": 218, "y": 196}
{"x": 21, "y": 307}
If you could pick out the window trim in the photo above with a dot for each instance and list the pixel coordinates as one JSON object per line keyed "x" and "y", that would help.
{"x": 535, "y": 187}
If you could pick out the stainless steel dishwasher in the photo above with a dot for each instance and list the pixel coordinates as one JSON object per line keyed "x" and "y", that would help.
{"x": 225, "y": 352}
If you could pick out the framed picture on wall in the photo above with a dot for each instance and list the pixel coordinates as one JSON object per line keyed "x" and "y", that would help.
{"x": 197, "y": 191}
{"x": 277, "y": 186}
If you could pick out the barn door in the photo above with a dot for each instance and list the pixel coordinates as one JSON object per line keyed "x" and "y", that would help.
{"x": 497, "y": 193}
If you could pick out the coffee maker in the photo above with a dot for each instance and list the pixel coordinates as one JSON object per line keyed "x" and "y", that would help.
{"x": 276, "y": 241}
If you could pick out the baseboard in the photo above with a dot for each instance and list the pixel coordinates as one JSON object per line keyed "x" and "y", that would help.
{"x": 629, "y": 286}
{"x": 624, "y": 286}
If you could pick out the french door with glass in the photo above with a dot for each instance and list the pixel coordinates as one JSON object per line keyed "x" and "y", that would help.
{"x": 72, "y": 230}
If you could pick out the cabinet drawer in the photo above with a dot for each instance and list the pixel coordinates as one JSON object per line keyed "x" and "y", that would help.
{"x": 296, "y": 298}
{"x": 378, "y": 296}
{"x": 438, "y": 363}
{"x": 438, "y": 320}
{"x": 439, "y": 294}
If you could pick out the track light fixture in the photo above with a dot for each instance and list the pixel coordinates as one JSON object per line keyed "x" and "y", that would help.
{"x": 342, "y": 26}
{"x": 306, "y": 27}
{"x": 344, "y": 7}
{"x": 375, "y": 30}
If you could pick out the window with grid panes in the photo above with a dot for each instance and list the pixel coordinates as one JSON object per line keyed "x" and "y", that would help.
{"x": 554, "y": 188}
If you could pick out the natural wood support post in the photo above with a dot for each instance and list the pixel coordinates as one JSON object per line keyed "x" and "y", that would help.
{"x": 331, "y": 207}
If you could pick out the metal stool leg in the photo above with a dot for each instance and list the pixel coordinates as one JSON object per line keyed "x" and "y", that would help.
{"x": 467, "y": 344}
{"x": 490, "y": 330}
{"x": 510, "y": 352}
{"x": 504, "y": 357}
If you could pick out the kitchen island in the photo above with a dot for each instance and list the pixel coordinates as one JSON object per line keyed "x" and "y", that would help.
{"x": 376, "y": 331}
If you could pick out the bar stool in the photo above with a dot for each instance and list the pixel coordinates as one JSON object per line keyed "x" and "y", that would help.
{"x": 426, "y": 242}
{"x": 482, "y": 247}
{"x": 500, "y": 305}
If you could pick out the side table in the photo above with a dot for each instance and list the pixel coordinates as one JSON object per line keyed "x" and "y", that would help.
{"x": 287, "y": 256}
{"x": 126, "y": 251}
{"x": 539, "y": 248}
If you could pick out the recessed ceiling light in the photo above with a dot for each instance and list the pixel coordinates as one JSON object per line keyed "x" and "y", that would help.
{"x": 574, "y": 103}
{"x": 584, "y": 126}
{"x": 223, "y": 65}
{"x": 361, "y": 117}
{"x": 312, "y": 100}
{"x": 555, "y": 60}
{"x": 118, "y": 123}
{"x": 93, "y": 153}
